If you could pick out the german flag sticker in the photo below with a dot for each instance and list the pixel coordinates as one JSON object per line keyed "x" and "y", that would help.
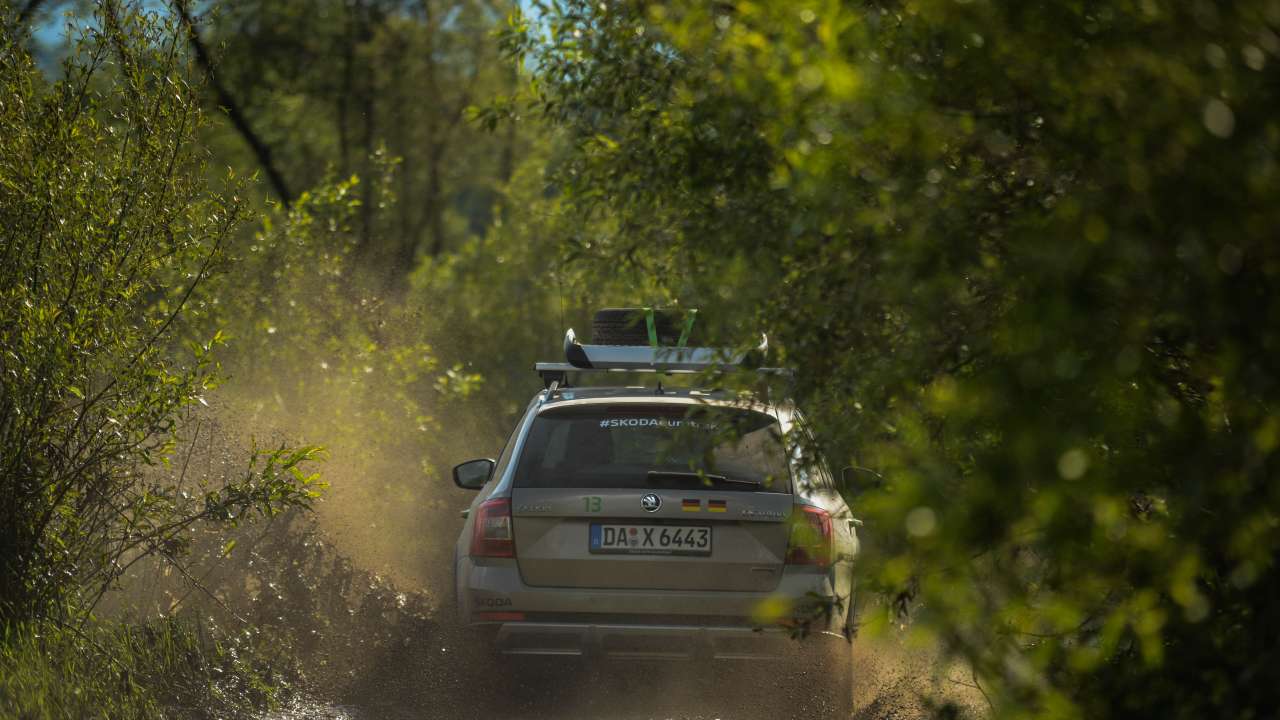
{"x": 717, "y": 506}
{"x": 691, "y": 505}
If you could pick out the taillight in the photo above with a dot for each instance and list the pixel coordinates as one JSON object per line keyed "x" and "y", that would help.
{"x": 491, "y": 536}
{"x": 810, "y": 537}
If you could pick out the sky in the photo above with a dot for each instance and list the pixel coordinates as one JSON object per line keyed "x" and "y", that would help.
{"x": 50, "y": 23}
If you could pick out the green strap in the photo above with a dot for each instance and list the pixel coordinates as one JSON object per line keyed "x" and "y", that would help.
{"x": 688, "y": 327}
{"x": 653, "y": 329}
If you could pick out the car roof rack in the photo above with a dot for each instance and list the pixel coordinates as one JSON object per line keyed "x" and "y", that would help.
{"x": 646, "y": 359}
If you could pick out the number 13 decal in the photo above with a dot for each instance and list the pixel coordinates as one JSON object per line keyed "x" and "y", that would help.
{"x": 592, "y": 503}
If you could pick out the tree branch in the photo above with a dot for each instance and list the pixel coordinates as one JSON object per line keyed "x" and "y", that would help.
{"x": 232, "y": 108}
{"x": 28, "y": 10}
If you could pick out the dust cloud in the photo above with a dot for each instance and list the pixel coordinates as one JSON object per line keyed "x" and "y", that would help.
{"x": 390, "y": 507}
{"x": 357, "y": 594}
{"x": 364, "y": 585}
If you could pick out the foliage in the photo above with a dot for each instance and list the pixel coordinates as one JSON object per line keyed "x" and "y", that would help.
{"x": 165, "y": 668}
{"x": 109, "y": 229}
{"x": 1020, "y": 253}
{"x": 1022, "y": 256}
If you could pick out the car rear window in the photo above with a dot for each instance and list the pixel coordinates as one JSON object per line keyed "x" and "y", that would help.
{"x": 647, "y": 446}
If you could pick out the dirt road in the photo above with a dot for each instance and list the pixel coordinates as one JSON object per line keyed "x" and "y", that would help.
{"x": 426, "y": 679}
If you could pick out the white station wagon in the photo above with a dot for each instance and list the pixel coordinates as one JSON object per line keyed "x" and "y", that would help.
{"x": 655, "y": 524}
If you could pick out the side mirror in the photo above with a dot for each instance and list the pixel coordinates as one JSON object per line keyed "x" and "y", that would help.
{"x": 858, "y": 480}
{"x": 473, "y": 474}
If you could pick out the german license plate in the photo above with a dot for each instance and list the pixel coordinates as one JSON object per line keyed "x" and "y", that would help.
{"x": 650, "y": 539}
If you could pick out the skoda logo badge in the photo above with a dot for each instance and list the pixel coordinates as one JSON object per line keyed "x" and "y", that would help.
{"x": 651, "y": 502}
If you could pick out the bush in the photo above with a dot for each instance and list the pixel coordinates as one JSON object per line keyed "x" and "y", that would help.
{"x": 165, "y": 668}
{"x": 108, "y": 230}
{"x": 1023, "y": 258}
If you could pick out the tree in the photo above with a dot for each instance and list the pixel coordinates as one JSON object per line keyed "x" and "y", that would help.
{"x": 341, "y": 87}
{"x": 1022, "y": 258}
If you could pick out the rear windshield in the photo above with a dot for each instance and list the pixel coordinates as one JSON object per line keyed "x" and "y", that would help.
{"x": 654, "y": 446}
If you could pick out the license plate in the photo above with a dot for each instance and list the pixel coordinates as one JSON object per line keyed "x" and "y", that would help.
{"x": 650, "y": 539}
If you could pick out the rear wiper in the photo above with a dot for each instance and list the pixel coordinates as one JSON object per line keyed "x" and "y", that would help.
{"x": 679, "y": 475}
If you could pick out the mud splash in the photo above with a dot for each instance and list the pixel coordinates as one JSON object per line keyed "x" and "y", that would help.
{"x": 359, "y": 591}
{"x": 373, "y": 652}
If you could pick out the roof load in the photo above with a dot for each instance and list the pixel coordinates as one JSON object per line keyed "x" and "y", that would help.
{"x": 648, "y": 358}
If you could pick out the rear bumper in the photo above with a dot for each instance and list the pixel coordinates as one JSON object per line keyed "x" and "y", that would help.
{"x": 497, "y": 585}
{"x": 659, "y": 624}
{"x": 651, "y": 642}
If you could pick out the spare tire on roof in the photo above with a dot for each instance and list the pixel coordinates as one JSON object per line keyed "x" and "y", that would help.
{"x": 629, "y": 326}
